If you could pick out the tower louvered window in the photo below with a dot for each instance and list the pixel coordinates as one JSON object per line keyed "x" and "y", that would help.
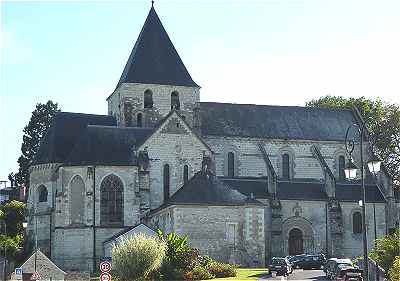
{"x": 148, "y": 99}
{"x": 111, "y": 202}
{"x": 175, "y": 104}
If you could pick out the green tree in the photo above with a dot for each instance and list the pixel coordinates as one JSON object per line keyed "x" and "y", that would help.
{"x": 40, "y": 121}
{"x": 394, "y": 271}
{"x": 12, "y": 231}
{"x": 386, "y": 249}
{"x": 383, "y": 122}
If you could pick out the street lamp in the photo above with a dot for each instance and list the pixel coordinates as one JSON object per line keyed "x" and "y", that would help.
{"x": 351, "y": 172}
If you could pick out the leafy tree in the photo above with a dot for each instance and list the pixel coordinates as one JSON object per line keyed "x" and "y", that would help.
{"x": 394, "y": 272}
{"x": 40, "y": 121}
{"x": 12, "y": 232}
{"x": 386, "y": 249}
{"x": 383, "y": 122}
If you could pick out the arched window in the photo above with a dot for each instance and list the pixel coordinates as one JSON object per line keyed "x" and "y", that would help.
{"x": 111, "y": 201}
{"x": 42, "y": 192}
{"x": 175, "y": 100}
{"x": 166, "y": 182}
{"x": 77, "y": 201}
{"x": 231, "y": 164}
{"x": 128, "y": 114}
{"x": 139, "y": 121}
{"x": 148, "y": 99}
{"x": 357, "y": 223}
{"x": 185, "y": 174}
{"x": 285, "y": 166}
{"x": 341, "y": 167}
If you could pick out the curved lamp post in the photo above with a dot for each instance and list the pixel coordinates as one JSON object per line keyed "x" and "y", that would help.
{"x": 351, "y": 173}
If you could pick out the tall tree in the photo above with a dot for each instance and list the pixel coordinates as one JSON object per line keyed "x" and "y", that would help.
{"x": 40, "y": 121}
{"x": 383, "y": 122}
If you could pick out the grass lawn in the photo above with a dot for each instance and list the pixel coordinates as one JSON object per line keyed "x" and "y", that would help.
{"x": 247, "y": 274}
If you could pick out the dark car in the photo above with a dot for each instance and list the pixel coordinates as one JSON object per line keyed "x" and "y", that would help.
{"x": 347, "y": 273}
{"x": 294, "y": 260}
{"x": 281, "y": 266}
{"x": 311, "y": 261}
{"x": 332, "y": 265}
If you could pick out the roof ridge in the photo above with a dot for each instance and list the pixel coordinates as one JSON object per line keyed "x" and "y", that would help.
{"x": 278, "y": 106}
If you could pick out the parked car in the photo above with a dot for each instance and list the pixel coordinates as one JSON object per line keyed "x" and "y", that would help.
{"x": 294, "y": 260}
{"x": 331, "y": 266}
{"x": 310, "y": 262}
{"x": 281, "y": 266}
{"x": 348, "y": 273}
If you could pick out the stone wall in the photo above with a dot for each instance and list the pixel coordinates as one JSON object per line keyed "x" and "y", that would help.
{"x": 352, "y": 243}
{"x": 249, "y": 159}
{"x": 309, "y": 217}
{"x": 133, "y": 93}
{"x": 176, "y": 147}
{"x": 232, "y": 234}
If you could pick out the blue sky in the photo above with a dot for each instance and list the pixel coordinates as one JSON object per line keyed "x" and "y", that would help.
{"x": 267, "y": 52}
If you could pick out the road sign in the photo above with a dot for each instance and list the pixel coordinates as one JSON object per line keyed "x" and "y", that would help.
{"x": 105, "y": 266}
{"x": 35, "y": 276}
{"x": 18, "y": 273}
{"x": 106, "y": 259}
{"x": 105, "y": 276}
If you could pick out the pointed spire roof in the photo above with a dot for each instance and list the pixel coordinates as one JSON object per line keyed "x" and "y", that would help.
{"x": 154, "y": 59}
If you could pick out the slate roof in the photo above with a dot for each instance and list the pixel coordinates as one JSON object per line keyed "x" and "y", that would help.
{"x": 64, "y": 132}
{"x": 274, "y": 122}
{"x": 247, "y": 186}
{"x": 301, "y": 190}
{"x": 108, "y": 145}
{"x": 353, "y": 192}
{"x": 154, "y": 59}
{"x": 204, "y": 188}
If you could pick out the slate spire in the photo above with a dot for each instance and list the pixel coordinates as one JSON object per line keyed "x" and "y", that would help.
{"x": 154, "y": 59}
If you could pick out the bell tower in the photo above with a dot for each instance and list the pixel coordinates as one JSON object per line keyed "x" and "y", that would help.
{"x": 154, "y": 81}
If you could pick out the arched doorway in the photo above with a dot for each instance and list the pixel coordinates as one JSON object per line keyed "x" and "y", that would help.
{"x": 295, "y": 242}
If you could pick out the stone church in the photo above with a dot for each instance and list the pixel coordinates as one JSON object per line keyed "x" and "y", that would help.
{"x": 245, "y": 182}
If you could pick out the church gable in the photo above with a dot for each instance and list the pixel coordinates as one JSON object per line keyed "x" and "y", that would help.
{"x": 173, "y": 124}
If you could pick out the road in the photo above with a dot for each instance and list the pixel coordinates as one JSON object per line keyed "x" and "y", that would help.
{"x": 300, "y": 274}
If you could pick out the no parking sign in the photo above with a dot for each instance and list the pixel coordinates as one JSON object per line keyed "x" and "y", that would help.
{"x": 105, "y": 266}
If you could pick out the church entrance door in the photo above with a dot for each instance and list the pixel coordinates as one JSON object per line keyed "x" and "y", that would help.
{"x": 295, "y": 242}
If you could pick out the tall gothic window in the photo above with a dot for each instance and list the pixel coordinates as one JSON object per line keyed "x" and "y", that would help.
{"x": 148, "y": 99}
{"x": 285, "y": 166}
{"x": 185, "y": 174}
{"x": 231, "y": 164}
{"x": 42, "y": 192}
{"x": 139, "y": 121}
{"x": 175, "y": 100}
{"x": 166, "y": 182}
{"x": 111, "y": 201}
{"x": 357, "y": 223}
{"x": 77, "y": 201}
{"x": 341, "y": 167}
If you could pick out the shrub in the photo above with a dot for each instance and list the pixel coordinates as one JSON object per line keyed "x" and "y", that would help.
{"x": 198, "y": 273}
{"x": 137, "y": 257}
{"x": 204, "y": 260}
{"x": 386, "y": 249}
{"x": 394, "y": 271}
{"x": 221, "y": 269}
